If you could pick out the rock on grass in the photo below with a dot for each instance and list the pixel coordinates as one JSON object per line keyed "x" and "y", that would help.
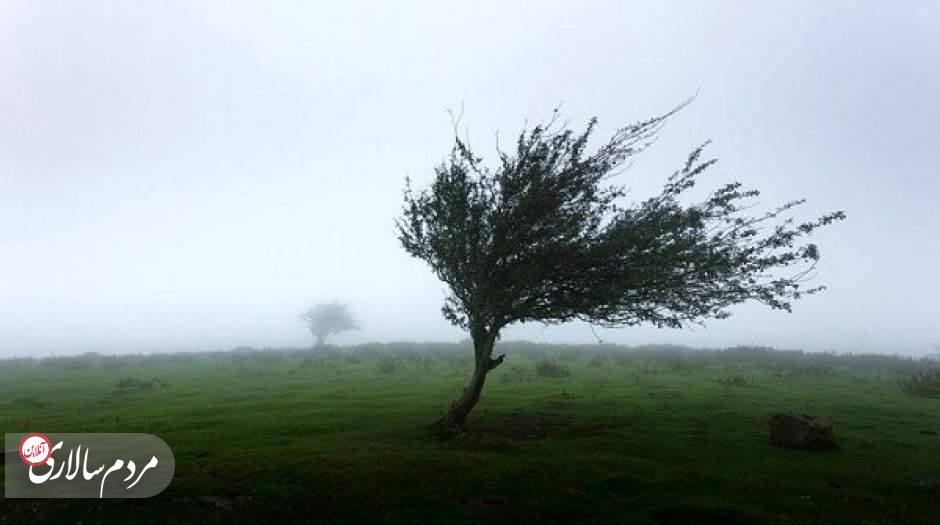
{"x": 801, "y": 431}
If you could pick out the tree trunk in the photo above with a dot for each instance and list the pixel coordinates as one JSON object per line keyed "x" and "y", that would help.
{"x": 321, "y": 340}
{"x": 454, "y": 421}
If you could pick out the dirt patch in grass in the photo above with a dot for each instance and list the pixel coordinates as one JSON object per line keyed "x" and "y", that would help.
{"x": 520, "y": 426}
{"x": 923, "y": 384}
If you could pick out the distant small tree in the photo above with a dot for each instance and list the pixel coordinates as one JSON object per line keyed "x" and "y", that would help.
{"x": 326, "y": 319}
{"x": 541, "y": 238}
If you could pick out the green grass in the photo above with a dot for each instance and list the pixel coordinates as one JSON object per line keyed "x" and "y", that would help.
{"x": 631, "y": 435}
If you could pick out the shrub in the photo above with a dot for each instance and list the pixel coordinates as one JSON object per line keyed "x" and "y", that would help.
{"x": 546, "y": 368}
{"x": 923, "y": 384}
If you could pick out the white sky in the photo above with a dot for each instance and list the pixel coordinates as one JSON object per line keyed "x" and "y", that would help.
{"x": 187, "y": 175}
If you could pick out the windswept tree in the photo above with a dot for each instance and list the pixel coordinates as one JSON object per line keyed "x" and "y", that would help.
{"x": 326, "y": 319}
{"x": 544, "y": 236}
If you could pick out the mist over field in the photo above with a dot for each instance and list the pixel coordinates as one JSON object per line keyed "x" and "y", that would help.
{"x": 192, "y": 176}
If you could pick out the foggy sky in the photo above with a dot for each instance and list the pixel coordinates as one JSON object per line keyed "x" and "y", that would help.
{"x": 190, "y": 176}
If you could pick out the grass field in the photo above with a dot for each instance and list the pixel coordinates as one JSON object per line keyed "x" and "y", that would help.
{"x": 564, "y": 434}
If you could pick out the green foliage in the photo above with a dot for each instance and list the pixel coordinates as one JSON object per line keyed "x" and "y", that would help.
{"x": 924, "y": 384}
{"x": 542, "y": 237}
{"x": 546, "y": 368}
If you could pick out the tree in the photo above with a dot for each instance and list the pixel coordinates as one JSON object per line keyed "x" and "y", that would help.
{"x": 326, "y": 319}
{"x": 544, "y": 237}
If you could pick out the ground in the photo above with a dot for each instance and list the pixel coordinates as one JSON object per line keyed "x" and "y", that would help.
{"x": 646, "y": 435}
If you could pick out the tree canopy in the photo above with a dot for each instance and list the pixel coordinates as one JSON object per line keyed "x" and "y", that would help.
{"x": 326, "y": 319}
{"x": 545, "y": 236}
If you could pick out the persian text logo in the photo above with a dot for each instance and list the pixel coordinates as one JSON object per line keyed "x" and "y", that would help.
{"x": 46, "y": 469}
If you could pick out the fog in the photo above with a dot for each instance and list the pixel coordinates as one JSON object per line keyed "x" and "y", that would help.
{"x": 191, "y": 176}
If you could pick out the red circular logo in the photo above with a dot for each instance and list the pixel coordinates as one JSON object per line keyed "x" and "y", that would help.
{"x": 35, "y": 449}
